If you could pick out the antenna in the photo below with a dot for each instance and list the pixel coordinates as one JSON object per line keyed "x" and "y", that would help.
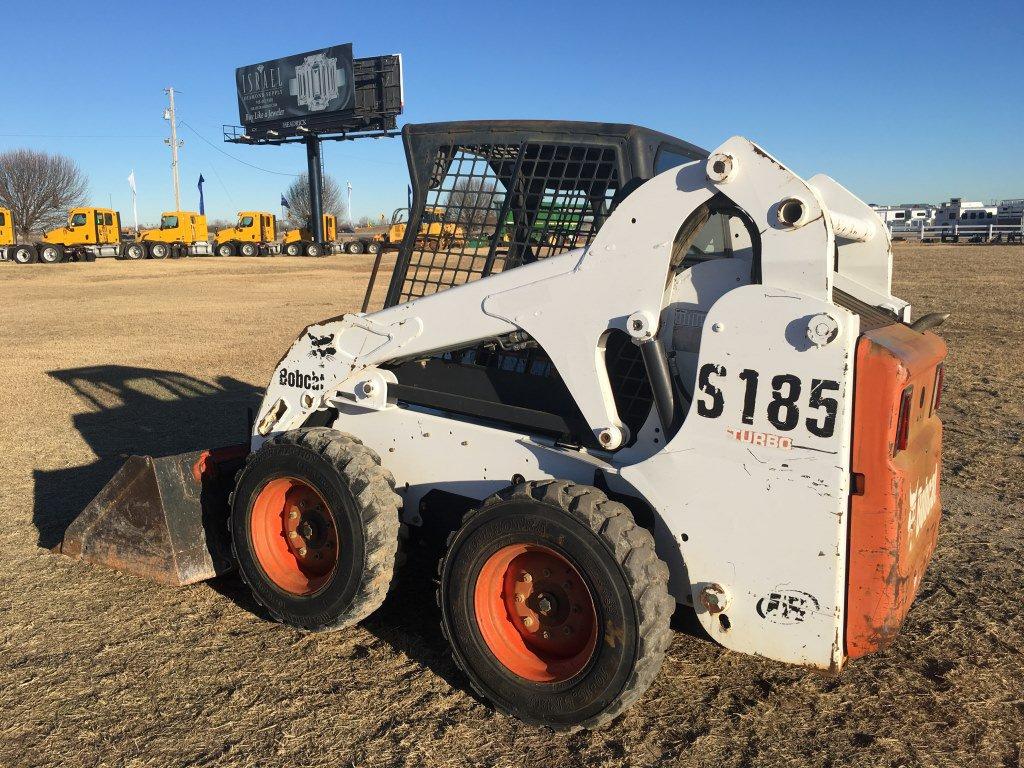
{"x": 174, "y": 143}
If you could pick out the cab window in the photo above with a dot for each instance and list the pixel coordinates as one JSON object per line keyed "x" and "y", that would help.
{"x": 670, "y": 157}
{"x": 400, "y": 216}
{"x": 3, "y": 219}
{"x": 168, "y": 222}
{"x": 77, "y": 220}
{"x": 245, "y": 221}
{"x": 108, "y": 219}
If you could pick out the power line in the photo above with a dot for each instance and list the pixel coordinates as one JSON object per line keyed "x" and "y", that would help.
{"x": 71, "y": 136}
{"x": 237, "y": 160}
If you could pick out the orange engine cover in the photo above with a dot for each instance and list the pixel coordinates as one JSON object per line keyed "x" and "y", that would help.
{"x": 894, "y": 506}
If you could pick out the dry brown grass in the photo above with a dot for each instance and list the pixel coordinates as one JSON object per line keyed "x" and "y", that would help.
{"x": 98, "y": 668}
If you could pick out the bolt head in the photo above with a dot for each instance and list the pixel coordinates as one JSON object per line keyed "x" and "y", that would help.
{"x": 294, "y": 513}
{"x": 292, "y": 535}
{"x": 527, "y": 576}
{"x": 520, "y": 599}
{"x": 528, "y": 621}
{"x": 302, "y": 551}
{"x": 545, "y": 634}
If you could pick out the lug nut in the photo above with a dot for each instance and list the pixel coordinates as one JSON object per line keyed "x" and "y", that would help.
{"x": 520, "y": 598}
{"x": 528, "y": 621}
{"x": 293, "y": 513}
{"x": 292, "y": 535}
{"x": 527, "y": 577}
{"x": 545, "y": 634}
{"x": 302, "y": 551}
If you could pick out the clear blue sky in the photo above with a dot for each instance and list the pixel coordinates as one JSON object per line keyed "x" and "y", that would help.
{"x": 896, "y": 104}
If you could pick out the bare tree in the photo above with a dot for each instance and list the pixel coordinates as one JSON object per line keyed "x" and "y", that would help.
{"x": 474, "y": 203}
{"x": 39, "y": 188}
{"x": 299, "y": 207}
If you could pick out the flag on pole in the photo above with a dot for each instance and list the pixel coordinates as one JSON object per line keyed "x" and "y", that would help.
{"x": 135, "y": 208}
{"x": 202, "y": 203}
{"x": 284, "y": 203}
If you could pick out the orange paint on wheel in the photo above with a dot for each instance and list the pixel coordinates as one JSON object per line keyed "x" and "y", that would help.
{"x": 536, "y": 613}
{"x": 293, "y": 536}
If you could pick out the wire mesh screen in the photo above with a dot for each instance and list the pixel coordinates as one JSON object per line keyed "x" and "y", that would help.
{"x": 494, "y": 207}
{"x": 491, "y": 208}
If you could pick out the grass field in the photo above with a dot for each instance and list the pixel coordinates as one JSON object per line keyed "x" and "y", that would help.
{"x": 98, "y": 668}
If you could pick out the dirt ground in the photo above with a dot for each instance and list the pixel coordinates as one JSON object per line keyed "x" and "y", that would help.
{"x": 98, "y": 668}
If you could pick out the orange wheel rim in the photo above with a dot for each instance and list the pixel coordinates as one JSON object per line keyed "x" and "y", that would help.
{"x": 293, "y": 536}
{"x": 536, "y": 613}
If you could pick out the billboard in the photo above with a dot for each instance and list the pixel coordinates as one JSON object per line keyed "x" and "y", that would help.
{"x": 317, "y": 85}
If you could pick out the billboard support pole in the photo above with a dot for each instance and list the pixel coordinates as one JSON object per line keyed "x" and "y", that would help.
{"x": 316, "y": 208}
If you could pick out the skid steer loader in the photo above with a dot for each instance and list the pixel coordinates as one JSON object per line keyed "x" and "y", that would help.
{"x": 706, "y": 394}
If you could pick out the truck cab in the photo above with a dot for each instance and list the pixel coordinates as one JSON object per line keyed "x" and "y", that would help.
{"x": 301, "y": 241}
{"x": 255, "y": 234}
{"x": 6, "y": 227}
{"x": 10, "y": 250}
{"x": 181, "y": 233}
{"x": 89, "y": 233}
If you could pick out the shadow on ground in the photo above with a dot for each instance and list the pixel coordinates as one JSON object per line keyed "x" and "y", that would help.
{"x": 142, "y": 411}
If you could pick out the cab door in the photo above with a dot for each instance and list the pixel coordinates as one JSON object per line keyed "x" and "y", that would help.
{"x": 108, "y": 232}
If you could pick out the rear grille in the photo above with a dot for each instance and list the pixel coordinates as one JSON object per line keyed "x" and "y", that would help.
{"x": 871, "y": 317}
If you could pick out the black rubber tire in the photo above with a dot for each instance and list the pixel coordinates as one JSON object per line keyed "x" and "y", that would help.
{"x": 134, "y": 252}
{"x": 158, "y": 250}
{"x": 364, "y": 506}
{"x": 249, "y": 249}
{"x": 293, "y": 249}
{"x": 27, "y": 254}
{"x": 354, "y": 247}
{"x": 226, "y": 249}
{"x": 51, "y": 253}
{"x": 373, "y": 248}
{"x": 315, "y": 250}
{"x": 628, "y": 581}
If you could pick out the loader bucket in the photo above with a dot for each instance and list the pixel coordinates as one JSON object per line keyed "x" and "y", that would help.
{"x": 161, "y": 518}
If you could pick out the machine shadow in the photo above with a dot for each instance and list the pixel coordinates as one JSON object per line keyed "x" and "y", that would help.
{"x": 142, "y": 411}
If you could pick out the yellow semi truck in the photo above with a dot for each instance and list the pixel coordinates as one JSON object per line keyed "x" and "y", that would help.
{"x": 255, "y": 234}
{"x": 299, "y": 242}
{"x": 10, "y": 248}
{"x": 89, "y": 234}
{"x": 181, "y": 233}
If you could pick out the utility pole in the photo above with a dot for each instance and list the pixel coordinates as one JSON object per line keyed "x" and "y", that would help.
{"x": 174, "y": 144}
{"x": 350, "y": 205}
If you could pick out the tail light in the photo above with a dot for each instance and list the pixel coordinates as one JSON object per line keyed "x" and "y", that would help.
{"x": 940, "y": 372}
{"x": 903, "y": 422}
